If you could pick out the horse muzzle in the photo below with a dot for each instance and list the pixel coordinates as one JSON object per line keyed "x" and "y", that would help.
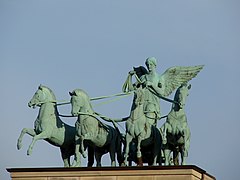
{"x": 32, "y": 105}
{"x": 75, "y": 114}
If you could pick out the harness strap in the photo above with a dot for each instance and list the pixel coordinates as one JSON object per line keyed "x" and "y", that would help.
{"x": 96, "y": 98}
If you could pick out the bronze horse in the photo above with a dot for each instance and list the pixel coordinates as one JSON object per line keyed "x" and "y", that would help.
{"x": 103, "y": 138}
{"x": 48, "y": 126}
{"x": 175, "y": 131}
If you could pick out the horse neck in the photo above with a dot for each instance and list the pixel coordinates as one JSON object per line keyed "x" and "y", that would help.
{"x": 176, "y": 111}
{"x": 47, "y": 109}
{"x": 86, "y": 108}
{"x": 176, "y": 108}
{"x": 137, "y": 112}
{"x": 181, "y": 99}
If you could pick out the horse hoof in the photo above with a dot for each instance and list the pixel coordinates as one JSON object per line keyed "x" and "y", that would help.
{"x": 19, "y": 146}
{"x": 29, "y": 152}
{"x": 75, "y": 164}
{"x": 164, "y": 140}
{"x": 113, "y": 164}
{"x": 84, "y": 154}
{"x": 123, "y": 164}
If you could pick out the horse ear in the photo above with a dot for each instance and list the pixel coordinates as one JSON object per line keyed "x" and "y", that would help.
{"x": 72, "y": 93}
{"x": 40, "y": 87}
{"x": 189, "y": 86}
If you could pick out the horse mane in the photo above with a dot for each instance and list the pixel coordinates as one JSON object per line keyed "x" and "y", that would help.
{"x": 84, "y": 95}
{"x": 178, "y": 97}
{"x": 50, "y": 92}
{"x": 177, "y": 93}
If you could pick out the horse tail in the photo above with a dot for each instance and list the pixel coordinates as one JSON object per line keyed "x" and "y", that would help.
{"x": 119, "y": 141}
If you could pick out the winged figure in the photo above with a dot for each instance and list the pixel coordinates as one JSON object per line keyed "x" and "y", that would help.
{"x": 158, "y": 86}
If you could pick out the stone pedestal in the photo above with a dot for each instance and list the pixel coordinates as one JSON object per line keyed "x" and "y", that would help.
{"x": 188, "y": 172}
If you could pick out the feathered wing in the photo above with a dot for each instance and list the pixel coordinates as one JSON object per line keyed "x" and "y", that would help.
{"x": 174, "y": 77}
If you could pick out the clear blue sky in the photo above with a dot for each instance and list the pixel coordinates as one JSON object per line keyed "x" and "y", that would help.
{"x": 93, "y": 44}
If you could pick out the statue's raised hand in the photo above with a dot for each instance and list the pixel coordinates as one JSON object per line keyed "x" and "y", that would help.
{"x": 132, "y": 72}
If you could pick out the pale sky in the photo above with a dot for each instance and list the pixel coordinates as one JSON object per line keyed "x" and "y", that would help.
{"x": 94, "y": 44}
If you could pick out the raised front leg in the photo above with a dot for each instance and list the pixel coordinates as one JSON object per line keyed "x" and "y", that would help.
{"x": 42, "y": 135}
{"x": 29, "y": 131}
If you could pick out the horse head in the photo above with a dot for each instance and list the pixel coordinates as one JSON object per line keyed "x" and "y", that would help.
{"x": 80, "y": 101}
{"x": 41, "y": 96}
{"x": 181, "y": 96}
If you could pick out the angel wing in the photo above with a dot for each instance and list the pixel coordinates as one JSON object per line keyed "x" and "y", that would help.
{"x": 174, "y": 77}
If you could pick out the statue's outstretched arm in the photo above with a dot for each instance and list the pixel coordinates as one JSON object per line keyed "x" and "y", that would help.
{"x": 138, "y": 72}
{"x": 128, "y": 86}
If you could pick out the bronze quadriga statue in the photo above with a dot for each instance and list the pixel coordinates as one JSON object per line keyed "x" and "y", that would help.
{"x": 143, "y": 141}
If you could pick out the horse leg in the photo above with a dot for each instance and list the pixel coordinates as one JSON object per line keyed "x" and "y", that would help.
{"x": 42, "y": 135}
{"x": 119, "y": 151}
{"x": 65, "y": 157}
{"x": 139, "y": 153}
{"x": 157, "y": 147}
{"x": 132, "y": 150}
{"x": 186, "y": 146}
{"x": 77, "y": 160}
{"x": 183, "y": 156}
{"x": 167, "y": 153}
{"x": 90, "y": 156}
{"x": 83, "y": 150}
{"x": 166, "y": 128}
{"x": 98, "y": 157}
{"x": 176, "y": 157}
{"x": 185, "y": 152}
{"x": 66, "y": 162}
{"x": 29, "y": 131}
{"x": 112, "y": 152}
{"x": 126, "y": 154}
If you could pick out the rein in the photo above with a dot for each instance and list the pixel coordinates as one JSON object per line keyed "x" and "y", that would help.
{"x": 97, "y": 98}
{"x": 95, "y": 115}
{"x": 41, "y": 102}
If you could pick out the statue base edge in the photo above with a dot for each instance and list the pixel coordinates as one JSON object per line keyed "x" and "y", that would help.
{"x": 190, "y": 172}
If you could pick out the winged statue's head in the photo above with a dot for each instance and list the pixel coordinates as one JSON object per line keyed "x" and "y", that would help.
{"x": 152, "y": 60}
